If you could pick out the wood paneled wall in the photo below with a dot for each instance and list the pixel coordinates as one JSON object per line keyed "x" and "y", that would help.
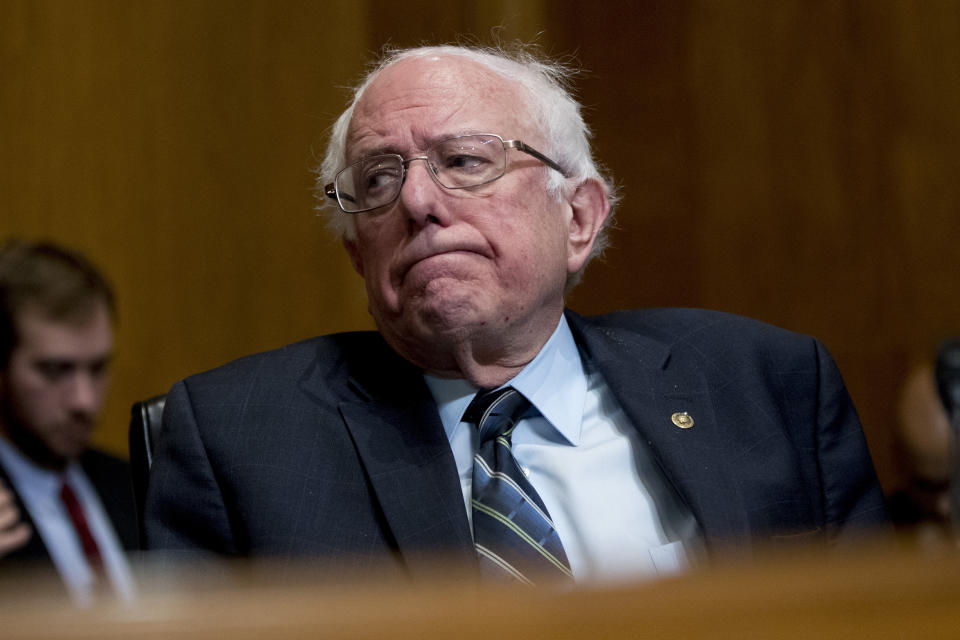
{"x": 795, "y": 161}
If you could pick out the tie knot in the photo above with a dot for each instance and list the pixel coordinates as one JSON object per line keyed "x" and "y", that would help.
{"x": 496, "y": 412}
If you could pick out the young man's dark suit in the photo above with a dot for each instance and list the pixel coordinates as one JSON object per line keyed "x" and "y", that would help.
{"x": 110, "y": 476}
{"x": 332, "y": 447}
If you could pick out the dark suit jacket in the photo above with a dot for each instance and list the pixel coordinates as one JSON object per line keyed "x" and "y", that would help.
{"x": 332, "y": 447}
{"x": 110, "y": 477}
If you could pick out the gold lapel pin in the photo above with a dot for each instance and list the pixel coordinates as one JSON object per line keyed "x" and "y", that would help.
{"x": 682, "y": 419}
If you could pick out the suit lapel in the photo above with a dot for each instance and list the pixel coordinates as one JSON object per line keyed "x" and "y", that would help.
{"x": 400, "y": 440}
{"x": 111, "y": 480}
{"x": 652, "y": 383}
{"x": 399, "y": 437}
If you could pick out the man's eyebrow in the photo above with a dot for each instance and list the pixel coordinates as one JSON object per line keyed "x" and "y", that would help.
{"x": 49, "y": 362}
{"x": 55, "y": 366}
{"x": 429, "y": 141}
{"x": 355, "y": 155}
{"x": 74, "y": 362}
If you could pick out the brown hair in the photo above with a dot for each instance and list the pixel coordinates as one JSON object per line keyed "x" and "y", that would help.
{"x": 60, "y": 282}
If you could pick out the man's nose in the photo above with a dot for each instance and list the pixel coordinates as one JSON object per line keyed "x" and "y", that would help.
{"x": 420, "y": 194}
{"x": 85, "y": 393}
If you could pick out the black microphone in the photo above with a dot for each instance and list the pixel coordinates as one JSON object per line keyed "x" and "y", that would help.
{"x": 948, "y": 377}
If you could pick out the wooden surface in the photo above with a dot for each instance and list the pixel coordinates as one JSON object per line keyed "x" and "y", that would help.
{"x": 870, "y": 595}
{"x": 794, "y": 161}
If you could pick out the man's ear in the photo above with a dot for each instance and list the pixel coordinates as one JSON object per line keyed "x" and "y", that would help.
{"x": 589, "y": 209}
{"x": 354, "y": 251}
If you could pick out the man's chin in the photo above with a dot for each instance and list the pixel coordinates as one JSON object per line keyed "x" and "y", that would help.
{"x": 424, "y": 329}
{"x": 443, "y": 307}
{"x": 447, "y": 316}
{"x": 72, "y": 451}
{"x": 70, "y": 447}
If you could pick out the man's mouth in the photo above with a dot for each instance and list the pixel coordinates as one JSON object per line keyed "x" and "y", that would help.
{"x": 423, "y": 257}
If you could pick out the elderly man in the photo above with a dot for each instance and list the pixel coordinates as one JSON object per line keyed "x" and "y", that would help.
{"x": 56, "y": 342}
{"x": 483, "y": 424}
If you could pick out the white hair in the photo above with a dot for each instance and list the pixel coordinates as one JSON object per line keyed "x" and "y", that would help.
{"x": 549, "y": 103}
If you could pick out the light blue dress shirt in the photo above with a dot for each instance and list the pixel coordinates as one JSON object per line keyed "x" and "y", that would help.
{"x": 615, "y": 514}
{"x": 39, "y": 489}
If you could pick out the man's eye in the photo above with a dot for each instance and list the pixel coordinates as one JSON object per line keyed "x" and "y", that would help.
{"x": 55, "y": 371}
{"x": 464, "y": 162}
{"x": 380, "y": 179}
{"x": 99, "y": 368}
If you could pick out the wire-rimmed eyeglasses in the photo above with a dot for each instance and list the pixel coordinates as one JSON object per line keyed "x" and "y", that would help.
{"x": 454, "y": 163}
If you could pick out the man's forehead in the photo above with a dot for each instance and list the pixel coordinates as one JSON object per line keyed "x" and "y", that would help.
{"x": 86, "y": 335}
{"x": 419, "y": 101}
{"x": 441, "y": 76}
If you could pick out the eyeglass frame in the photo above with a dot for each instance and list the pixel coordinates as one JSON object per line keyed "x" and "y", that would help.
{"x": 331, "y": 191}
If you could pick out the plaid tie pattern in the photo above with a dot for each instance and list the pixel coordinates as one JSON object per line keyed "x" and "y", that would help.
{"x": 512, "y": 531}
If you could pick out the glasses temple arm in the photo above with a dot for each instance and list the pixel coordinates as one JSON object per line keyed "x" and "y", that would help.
{"x": 331, "y": 192}
{"x": 524, "y": 147}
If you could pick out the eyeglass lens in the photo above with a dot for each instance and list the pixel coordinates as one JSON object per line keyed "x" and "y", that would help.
{"x": 456, "y": 163}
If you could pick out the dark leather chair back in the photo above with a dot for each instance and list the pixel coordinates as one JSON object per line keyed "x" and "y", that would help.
{"x": 145, "y": 421}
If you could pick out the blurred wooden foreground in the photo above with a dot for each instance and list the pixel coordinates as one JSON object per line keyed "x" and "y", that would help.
{"x": 867, "y": 595}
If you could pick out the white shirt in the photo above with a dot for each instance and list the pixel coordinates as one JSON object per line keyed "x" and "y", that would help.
{"x": 39, "y": 489}
{"x": 615, "y": 514}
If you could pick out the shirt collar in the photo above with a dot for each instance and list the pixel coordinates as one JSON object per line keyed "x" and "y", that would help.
{"x": 30, "y": 478}
{"x": 554, "y": 382}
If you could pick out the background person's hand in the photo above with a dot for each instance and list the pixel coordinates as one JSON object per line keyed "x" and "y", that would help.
{"x": 13, "y": 532}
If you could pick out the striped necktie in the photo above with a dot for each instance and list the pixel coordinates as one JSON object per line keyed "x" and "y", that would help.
{"x": 512, "y": 531}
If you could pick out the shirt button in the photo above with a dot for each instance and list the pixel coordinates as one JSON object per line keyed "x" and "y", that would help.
{"x": 526, "y": 472}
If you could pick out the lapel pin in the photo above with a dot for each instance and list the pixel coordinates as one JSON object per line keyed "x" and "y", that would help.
{"x": 682, "y": 419}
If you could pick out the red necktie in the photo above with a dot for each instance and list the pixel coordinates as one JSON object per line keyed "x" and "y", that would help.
{"x": 90, "y": 548}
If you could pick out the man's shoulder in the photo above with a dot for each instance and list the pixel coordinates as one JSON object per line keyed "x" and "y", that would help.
{"x": 703, "y": 333}
{"x": 294, "y": 359}
{"x": 99, "y": 459}
{"x": 111, "y": 476}
{"x": 672, "y": 323}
